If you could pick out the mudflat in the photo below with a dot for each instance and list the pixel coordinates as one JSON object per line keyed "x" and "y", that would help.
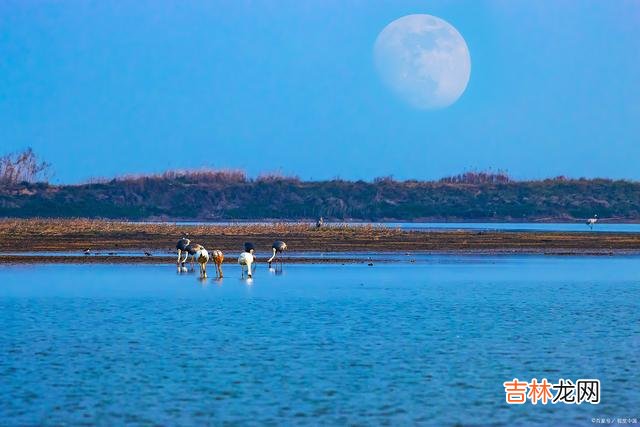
{"x": 23, "y": 238}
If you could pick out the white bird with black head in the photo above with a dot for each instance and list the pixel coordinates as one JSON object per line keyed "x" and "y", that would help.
{"x": 202, "y": 257}
{"x": 191, "y": 250}
{"x": 245, "y": 260}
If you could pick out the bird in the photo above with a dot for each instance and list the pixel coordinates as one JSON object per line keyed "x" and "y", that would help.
{"x": 278, "y": 247}
{"x": 245, "y": 260}
{"x": 192, "y": 249}
{"x": 87, "y": 251}
{"x": 319, "y": 222}
{"x": 181, "y": 246}
{"x": 592, "y": 221}
{"x": 250, "y": 248}
{"x": 217, "y": 257}
{"x": 202, "y": 256}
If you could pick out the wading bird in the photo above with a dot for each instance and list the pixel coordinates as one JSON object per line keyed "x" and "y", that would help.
{"x": 319, "y": 222}
{"x": 592, "y": 221}
{"x": 250, "y": 248}
{"x": 191, "y": 250}
{"x": 202, "y": 256}
{"x": 245, "y": 260}
{"x": 217, "y": 257}
{"x": 181, "y": 246}
{"x": 278, "y": 248}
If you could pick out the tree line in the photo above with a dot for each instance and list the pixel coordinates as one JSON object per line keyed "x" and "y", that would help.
{"x": 230, "y": 195}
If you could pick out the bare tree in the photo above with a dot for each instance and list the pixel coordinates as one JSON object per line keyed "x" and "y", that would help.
{"x": 23, "y": 167}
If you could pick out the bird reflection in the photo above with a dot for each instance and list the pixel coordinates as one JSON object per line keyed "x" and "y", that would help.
{"x": 278, "y": 271}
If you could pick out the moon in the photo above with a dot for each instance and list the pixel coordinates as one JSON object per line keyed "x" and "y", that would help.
{"x": 424, "y": 60}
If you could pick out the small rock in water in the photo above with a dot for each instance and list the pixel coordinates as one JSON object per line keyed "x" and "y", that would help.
{"x": 370, "y": 264}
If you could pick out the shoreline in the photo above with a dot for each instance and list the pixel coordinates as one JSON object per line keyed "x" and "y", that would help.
{"x": 32, "y": 241}
{"x": 230, "y": 258}
{"x": 382, "y": 222}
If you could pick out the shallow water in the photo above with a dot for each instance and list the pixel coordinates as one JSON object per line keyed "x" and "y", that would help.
{"x": 424, "y": 343}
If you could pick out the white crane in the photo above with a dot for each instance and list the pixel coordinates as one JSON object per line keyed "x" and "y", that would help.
{"x": 190, "y": 250}
{"x": 592, "y": 221}
{"x": 245, "y": 260}
{"x": 202, "y": 257}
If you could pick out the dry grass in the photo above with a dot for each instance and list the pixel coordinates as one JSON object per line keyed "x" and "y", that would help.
{"x": 19, "y": 235}
{"x": 76, "y": 234}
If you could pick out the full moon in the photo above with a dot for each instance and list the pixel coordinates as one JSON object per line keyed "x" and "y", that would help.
{"x": 424, "y": 60}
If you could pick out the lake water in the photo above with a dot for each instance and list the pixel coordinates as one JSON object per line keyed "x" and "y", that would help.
{"x": 401, "y": 343}
{"x": 600, "y": 227}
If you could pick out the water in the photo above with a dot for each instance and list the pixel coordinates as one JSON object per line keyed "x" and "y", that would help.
{"x": 517, "y": 226}
{"x": 403, "y": 343}
{"x": 601, "y": 227}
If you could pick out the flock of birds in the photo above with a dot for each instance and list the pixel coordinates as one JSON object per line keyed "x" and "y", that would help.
{"x": 247, "y": 258}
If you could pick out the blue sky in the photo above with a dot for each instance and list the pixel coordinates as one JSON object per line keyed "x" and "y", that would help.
{"x": 110, "y": 88}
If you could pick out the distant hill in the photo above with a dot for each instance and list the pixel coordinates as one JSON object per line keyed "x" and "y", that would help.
{"x": 230, "y": 195}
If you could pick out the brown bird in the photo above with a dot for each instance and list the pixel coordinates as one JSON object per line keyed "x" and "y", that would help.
{"x": 218, "y": 257}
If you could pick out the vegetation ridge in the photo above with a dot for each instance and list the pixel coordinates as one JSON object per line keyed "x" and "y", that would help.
{"x": 230, "y": 195}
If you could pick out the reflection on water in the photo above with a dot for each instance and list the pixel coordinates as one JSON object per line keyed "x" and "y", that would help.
{"x": 427, "y": 343}
{"x": 277, "y": 271}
